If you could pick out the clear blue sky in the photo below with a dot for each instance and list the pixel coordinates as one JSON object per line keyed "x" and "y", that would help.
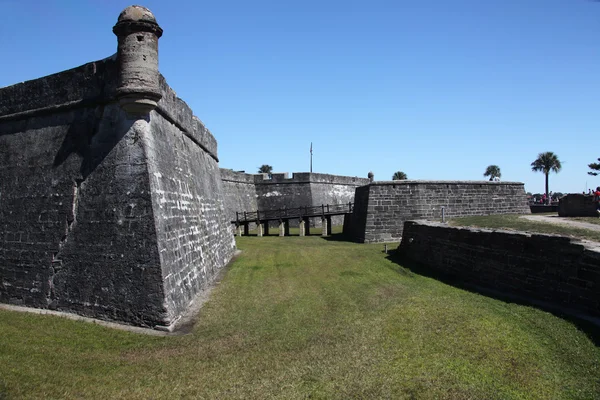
{"x": 438, "y": 89}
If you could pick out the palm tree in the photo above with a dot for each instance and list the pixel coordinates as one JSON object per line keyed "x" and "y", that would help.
{"x": 545, "y": 163}
{"x": 399, "y": 175}
{"x": 265, "y": 169}
{"x": 493, "y": 171}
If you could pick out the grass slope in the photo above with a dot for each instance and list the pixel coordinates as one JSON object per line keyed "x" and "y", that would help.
{"x": 514, "y": 222}
{"x": 307, "y": 317}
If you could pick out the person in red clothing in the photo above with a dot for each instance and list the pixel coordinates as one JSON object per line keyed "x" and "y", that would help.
{"x": 597, "y": 200}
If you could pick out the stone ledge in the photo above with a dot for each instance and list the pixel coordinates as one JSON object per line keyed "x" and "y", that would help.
{"x": 427, "y": 182}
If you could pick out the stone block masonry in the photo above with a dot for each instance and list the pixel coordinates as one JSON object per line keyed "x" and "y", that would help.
{"x": 111, "y": 201}
{"x": 577, "y": 205}
{"x": 381, "y": 208}
{"x": 247, "y": 192}
{"x": 547, "y": 268}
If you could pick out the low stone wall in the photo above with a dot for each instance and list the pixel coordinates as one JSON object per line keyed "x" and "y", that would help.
{"x": 382, "y": 207}
{"x": 577, "y": 205}
{"x": 543, "y": 267}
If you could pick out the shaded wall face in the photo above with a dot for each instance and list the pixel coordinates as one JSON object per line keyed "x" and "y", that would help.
{"x": 361, "y": 210}
{"x": 389, "y": 205}
{"x": 77, "y": 225}
{"x": 193, "y": 229}
{"x": 543, "y": 267}
{"x": 577, "y": 205}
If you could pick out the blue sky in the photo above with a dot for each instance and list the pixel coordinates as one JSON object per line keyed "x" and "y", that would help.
{"x": 438, "y": 89}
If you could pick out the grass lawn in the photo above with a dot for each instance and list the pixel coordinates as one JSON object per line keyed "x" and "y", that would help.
{"x": 513, "y": 222}
{"x": 308, "y": 317}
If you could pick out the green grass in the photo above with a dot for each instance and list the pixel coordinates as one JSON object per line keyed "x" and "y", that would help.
{"x": 514, "y": 222}
{"x": 307, "y": 317}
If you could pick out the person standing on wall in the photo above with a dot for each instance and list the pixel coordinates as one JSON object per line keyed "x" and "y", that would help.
{"x": 597, "y": 200}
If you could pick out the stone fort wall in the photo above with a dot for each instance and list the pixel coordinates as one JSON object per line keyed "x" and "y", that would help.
{"x": 247, "y": 192}
{"x": 111, "y": 199}
{"x": 577, "y": 205}
{"x": 381, "y": 208}
{"x": 547, "y": 268}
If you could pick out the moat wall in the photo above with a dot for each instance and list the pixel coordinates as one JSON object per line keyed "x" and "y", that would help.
{"x": 381, "y": 208}
{"x": 106, "y": 213}
{"x": 548, "y": 268}
{"x": 577, "y": 205}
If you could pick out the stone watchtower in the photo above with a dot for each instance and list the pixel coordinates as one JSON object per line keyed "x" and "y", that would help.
{"x": 138, "y": 91}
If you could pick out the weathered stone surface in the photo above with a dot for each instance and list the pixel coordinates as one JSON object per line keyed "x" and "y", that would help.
{"x": 193, "y": 233}
{"x": 382, "y": 207}
{"x": 544, "y": 267}
{"x": 137, "y": 55}
{"x": 577, "y": 205}
{"x": 102, "y": 213}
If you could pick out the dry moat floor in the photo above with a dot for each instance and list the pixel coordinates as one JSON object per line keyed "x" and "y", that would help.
{"x": 311, "y": 317}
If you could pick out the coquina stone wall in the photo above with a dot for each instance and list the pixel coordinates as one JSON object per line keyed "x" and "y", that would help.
{"x": 381, "y": 208}
{"x": 577, "y": 205}
{"x": 549, "y": 268}
{"x": 239, "y": 193}
{"x": 111, "y": 198}
{"x": 247, "y": 192}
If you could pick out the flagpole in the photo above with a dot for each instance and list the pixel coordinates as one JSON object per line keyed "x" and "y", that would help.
{"x": 311, "y": 157}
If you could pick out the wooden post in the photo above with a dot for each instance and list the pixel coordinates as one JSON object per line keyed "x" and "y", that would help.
{"x": 281, "y": 228}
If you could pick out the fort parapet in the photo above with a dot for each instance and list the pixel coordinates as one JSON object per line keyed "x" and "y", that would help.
{"x": 111, "y": 198}
{"x": 381, "y": 208}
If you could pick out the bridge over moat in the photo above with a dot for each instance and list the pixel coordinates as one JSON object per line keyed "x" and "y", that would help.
{"x": 285, "y": 215}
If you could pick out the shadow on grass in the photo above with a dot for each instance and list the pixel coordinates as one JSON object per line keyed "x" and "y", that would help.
{"x": 339, "y": 237}
{"x": 586, "y": 323}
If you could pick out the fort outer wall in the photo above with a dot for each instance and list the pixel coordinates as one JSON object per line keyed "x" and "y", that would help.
{"x": 577, "y": 205}
{"x": 247, "y": 192}
{"x": 381, "y": 208}
{"x": 546, "y": 268}
{"x": 111, "y": 199}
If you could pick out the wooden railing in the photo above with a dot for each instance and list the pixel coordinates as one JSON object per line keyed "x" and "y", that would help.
{"x": 291, "y": 213}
